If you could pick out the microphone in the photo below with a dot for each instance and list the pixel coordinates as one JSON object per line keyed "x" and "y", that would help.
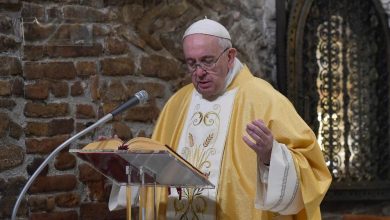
{"x": 139, "y": 98}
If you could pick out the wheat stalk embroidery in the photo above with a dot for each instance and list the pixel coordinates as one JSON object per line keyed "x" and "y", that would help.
{"x": 208, "y": 140}
{"x": 191, "y": 139}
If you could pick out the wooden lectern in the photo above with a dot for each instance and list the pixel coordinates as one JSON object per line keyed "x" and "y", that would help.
{"x": 141, "y": 162}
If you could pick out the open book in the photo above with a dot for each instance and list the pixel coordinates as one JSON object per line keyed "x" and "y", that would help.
{"x": 135, "y": 144}
{"x": 141, "y": 161}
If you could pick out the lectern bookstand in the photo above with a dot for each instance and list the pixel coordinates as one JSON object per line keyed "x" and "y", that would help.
{"x": 142, "y": 162}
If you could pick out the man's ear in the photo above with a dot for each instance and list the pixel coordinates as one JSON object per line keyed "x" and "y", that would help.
{"x": 232, "y": 52}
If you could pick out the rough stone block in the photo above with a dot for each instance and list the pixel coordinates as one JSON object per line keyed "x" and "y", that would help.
{"x": 85, "y": 111}
{"x": 115, "y": 91}
{"x": 84, "y": 14}
{"x": 59, "y": 89}
{"x": 99, "y": 30}
{"x": 144, "y": 113}
{"x": 44, "y": 145}
{"x": 30, "y": 11}
{"x": 73, "y": 51}
{"x": 4, "y": 126}
{"x": 5, "y": 87}
{"x": 94, "y": 87}
{"x": 41, "y": 203}
{"x": 65, "y": 161}
{"x": 72, "y": 34}
{"x": 154, "y": 89}
{"x": 132, "y": 37}
{"x": 10, "y": 156}
{"x": 34, "y": 52}
{"x": 117, "y": 66}
{"x": 39, "y": 90}
{"x": 42, "y": 110}
{"x": 172, "y": 43}
{"x": 86, "y": 69}
{"x": 44, "y": 184}
{"x": 122, "y": 130}
{"x": 6, "y": 25}
{"x": 67, "y": 200}
{"x": 161, "y": 67}
{"x": 7, "y": 104}
{"x": 61, "y": 126}
{"x": 116, "y": 46}
{"x": 16, "y": 131}
{"x": 150, "y": 40}
{"x": 132, "y": 13}
{"x": 49, "y": 70}
{"x": 8, "y": 44}
{"x": 10, "y": 66}
{"x": 36, "y": 32}
{"x": 54, "y": 12}
{"x": 52, "y": 128}
{"x": 93, "y": 3}
{"x": 37, "y": 129}
{"x": 77, "y": 89}
{"x": 18, "y": 87}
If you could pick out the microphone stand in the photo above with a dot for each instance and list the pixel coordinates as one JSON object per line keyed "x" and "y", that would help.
{"x": 101, "y": 121}
{"x": 139, "y": 98}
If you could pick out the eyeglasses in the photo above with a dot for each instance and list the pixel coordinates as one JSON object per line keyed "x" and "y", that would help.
{"x": 205, "y": 65}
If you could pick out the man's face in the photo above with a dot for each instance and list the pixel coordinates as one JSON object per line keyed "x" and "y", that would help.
{"x": 210, "y": 62}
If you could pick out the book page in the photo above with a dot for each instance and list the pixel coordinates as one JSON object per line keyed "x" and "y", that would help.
{"x": 109, "y": 144}
{"x": 141, "y": 143}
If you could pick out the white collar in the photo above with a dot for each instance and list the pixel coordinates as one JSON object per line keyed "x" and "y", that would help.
{"x": 237, "y": 66}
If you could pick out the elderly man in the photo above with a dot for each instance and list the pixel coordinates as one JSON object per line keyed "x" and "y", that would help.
{"x": 261, "y": 156}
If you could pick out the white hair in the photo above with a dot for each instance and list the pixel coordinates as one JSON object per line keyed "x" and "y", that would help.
{"x": 224, "y": 43}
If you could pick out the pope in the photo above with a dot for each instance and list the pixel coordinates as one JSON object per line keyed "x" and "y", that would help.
{"x": 247, "y": 137}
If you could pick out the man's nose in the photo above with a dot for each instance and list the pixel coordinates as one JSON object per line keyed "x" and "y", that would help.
{"x": 199, "y": 71}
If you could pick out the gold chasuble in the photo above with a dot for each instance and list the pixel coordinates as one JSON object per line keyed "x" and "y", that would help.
{"x": 237, "y": 189}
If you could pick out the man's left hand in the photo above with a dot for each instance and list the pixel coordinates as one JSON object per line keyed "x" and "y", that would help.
{"x": 262, "y": 139}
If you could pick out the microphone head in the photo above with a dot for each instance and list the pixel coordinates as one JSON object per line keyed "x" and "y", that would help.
{"x": 142, "y": 96}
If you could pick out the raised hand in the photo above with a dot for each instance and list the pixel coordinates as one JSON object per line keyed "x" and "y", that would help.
{"x": 261, "y": 140}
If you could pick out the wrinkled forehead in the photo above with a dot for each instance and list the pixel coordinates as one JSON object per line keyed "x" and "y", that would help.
{"x": 200, "y": 45}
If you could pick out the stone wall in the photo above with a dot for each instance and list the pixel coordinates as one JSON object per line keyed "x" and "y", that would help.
{"x": 64, "y": 64}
